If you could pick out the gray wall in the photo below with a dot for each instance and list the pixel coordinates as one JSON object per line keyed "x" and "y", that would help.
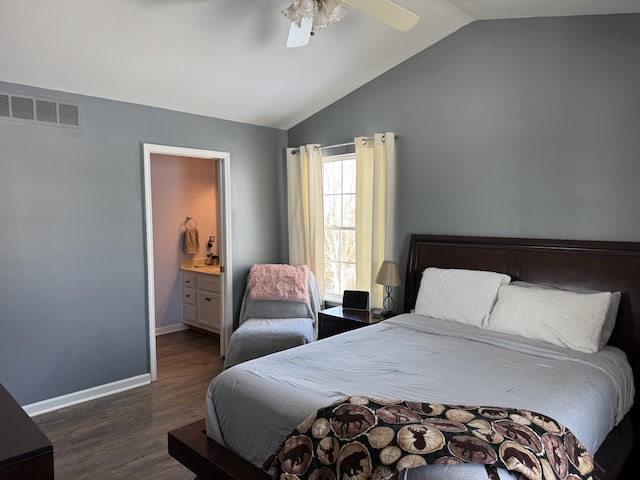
{"x": 524, "y": 128}
{"x": 72, "y": 250}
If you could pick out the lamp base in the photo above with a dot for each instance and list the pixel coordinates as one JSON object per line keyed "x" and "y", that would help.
{"x": 388, "y": 304}
{"x": 388, "y": 313}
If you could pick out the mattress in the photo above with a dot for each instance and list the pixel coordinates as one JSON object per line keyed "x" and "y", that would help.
{"x": 252, "y": 406}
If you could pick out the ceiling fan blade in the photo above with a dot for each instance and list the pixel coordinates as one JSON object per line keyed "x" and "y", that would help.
{"x": 299, "y": 35}
{"x": 387, "y": 12}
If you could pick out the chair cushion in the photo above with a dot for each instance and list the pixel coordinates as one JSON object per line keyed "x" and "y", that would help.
{"x": 257, "y": 337}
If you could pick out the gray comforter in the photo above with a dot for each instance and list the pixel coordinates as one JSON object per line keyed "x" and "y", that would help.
{"x": 253, "y": 406}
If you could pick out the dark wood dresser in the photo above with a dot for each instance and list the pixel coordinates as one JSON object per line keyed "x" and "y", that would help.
{"x": 25, "y": 452}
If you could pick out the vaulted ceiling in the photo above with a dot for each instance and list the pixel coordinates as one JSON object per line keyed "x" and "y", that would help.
{"x": 227, "y": 58}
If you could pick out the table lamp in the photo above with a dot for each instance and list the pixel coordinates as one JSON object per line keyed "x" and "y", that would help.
{"x": 389, "y": 276}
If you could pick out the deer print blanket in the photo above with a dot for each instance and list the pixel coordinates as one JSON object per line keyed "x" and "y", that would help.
{"x": 372, "y": 438}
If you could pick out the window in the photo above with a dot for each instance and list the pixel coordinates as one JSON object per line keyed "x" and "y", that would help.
{"x": 339, "y": 204}
{"x": 340, "y": 212}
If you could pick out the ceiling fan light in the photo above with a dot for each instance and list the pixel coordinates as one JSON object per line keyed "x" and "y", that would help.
{"x": 300, "y": 9}
{"x": 329, "y": 12}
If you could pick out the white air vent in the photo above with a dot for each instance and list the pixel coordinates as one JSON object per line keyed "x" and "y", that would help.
{"x": 22, "y": 107}
{"x": 4, "y": 105}
{"x": 69, "y": 114}
{"x": 46, "y": 111}
{"x": 39, "y": 110}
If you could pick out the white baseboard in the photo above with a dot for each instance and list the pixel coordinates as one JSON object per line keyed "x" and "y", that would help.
{"x": 74, "y": 398}
{"x": 176, "y": 327}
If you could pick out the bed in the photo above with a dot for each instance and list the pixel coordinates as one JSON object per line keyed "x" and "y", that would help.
{"x": 249, "y": 432}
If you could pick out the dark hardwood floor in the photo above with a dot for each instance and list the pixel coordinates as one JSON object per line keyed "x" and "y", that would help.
{"x": 124, "y": 436}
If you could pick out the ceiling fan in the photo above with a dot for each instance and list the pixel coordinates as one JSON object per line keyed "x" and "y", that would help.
{"x": 309, "y": 16}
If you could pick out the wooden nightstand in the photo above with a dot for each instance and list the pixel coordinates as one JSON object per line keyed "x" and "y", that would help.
{"x": 335, "y": 320}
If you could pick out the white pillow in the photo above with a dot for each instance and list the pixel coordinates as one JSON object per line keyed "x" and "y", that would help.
{"x": 568, "y": 319}
{"x": 612, "y": 312}
{"x": 610, "y": 321}
{"x": 462, "y": 296}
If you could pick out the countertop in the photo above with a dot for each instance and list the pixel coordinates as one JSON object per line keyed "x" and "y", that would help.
{"x": 197, "y": 265}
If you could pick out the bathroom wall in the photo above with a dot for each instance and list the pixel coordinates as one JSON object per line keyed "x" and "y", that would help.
{"x": 181, "y": 187}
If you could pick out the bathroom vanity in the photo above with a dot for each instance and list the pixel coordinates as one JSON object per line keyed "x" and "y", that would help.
{"x": 201, "y": 296}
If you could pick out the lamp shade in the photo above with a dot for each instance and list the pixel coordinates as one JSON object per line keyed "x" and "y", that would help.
{"x": 388, "y": 275}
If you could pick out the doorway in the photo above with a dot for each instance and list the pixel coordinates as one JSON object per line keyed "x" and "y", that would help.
{"x": 222, "y": 160}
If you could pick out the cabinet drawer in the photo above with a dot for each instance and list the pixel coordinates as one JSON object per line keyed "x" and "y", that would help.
{"x": 208, "y": 310}
{"x": 189, "y": 295}
{"x": 210, "y": 283}
{"x": 188, "y": 280}
{"x": 188, "y": 313}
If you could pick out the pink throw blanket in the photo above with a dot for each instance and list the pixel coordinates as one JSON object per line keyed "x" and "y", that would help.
{"x": 278, "y": 282}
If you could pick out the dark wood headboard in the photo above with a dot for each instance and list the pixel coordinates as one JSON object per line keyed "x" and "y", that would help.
{"x": 584, "y": 265}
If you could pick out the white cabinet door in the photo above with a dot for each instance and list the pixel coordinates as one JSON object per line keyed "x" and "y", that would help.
{"x": 201, "y": 301}
{"x": 208, "y": 310}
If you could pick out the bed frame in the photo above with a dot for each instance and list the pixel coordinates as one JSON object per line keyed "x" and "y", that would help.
{"x": 586, "y": 265}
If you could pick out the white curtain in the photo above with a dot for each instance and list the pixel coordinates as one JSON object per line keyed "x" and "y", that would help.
{"x": 305, "y": 217}
{"x": 375, "y": 209}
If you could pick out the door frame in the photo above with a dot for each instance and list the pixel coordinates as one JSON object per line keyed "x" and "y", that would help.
{"x": 224, "y": 246}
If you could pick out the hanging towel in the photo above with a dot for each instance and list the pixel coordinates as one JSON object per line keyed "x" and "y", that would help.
{"x": 191, "y": 241}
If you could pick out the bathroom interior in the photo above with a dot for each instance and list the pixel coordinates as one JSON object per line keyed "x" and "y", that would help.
{"x": 185, "y": 196}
